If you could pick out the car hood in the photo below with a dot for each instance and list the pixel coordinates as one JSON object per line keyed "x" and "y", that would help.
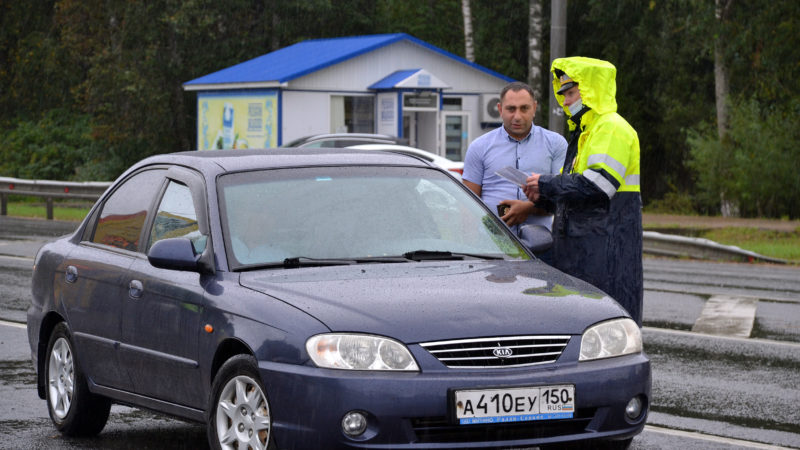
{"x": 419, "y": 302}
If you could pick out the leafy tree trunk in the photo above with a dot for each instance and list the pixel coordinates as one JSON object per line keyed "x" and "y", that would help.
{"x": 469, "y": 49}
{"x": 535, "y": 47}
{"x": 728, "y": 208}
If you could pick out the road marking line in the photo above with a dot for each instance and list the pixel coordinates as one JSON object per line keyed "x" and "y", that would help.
{"x": 712, "y": 438}
{"x": 13, "y": 324}
{"x": 727, "y": 316}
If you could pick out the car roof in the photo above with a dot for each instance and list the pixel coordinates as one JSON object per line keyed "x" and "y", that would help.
{"x": 212, "y": 162}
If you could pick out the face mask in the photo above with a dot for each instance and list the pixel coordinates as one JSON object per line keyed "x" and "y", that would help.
{"x": 576, "y": 107}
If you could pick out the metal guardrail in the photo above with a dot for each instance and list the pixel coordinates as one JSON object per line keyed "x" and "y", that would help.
{"x": 49, "y": 190}
{"x": 697, "y": 248}
{"x": 654, "y": 243}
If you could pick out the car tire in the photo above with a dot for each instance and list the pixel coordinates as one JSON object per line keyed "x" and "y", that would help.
{"x": 239, "y": 414}
{"x": 74, "y": 410}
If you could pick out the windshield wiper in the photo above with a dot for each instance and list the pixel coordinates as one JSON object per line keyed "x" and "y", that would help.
{"x": 416, "y": 255}
{"x": 302, "y": 261}
{"x": 433, "y": 255}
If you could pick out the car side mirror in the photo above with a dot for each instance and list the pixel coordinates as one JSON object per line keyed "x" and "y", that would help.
{"x": 174, "y": 254}
{"x": 536, "y": 237}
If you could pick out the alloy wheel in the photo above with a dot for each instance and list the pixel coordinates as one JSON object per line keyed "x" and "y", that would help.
{"x": 61, "y": 378}
{"x": 242, "y": 416}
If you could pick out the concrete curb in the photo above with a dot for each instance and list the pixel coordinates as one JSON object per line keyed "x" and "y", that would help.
{"x": 17, "y": 226}
{"x": 660, "y": 244}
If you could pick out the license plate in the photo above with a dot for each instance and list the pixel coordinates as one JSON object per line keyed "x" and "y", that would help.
{"x": 514, "y": 404}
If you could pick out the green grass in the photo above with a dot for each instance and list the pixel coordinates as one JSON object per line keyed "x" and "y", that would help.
{"x": 776, "y": 244}
{"x": 66, "y": 211}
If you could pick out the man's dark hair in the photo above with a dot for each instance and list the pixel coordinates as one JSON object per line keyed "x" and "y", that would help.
{"x": 517, "y": 86}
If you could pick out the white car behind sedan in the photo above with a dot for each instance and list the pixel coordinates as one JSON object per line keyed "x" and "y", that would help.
{"x": 456, "y": 168}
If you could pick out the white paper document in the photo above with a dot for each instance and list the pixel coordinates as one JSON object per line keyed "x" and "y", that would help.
{"x": 513, "y": 175}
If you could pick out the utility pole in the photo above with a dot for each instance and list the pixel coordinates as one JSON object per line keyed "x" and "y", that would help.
{"x": 558, "y": 49}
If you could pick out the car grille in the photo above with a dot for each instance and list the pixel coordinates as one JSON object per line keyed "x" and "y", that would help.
{"x": 498, "y": 352}
{"x": 429, "y": 430}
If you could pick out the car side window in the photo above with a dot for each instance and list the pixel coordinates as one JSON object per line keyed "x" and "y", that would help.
{"x": 176, "y": 217}
{"x": 125, "y": 212}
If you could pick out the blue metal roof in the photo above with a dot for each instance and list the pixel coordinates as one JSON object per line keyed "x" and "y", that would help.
{"x": 310, "y": 56}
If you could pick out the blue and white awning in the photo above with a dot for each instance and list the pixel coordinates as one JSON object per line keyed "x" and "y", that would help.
{"x": 410, "y": 79}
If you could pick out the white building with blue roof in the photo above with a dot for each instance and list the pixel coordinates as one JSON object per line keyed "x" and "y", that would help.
{"x": 391, "y": 84}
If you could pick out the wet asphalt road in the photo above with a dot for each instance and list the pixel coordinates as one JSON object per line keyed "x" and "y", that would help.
{"x": 709, "y": 392}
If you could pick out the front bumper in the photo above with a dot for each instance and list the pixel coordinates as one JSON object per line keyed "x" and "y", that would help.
{"x": 412, "y": 410}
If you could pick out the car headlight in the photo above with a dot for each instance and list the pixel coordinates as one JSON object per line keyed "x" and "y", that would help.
{"x": 608, "y": 339}
{"x": 359, "y": 352}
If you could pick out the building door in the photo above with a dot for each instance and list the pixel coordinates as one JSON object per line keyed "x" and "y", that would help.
{"x": 410, "y": 128}
{"x": 455, "y": 132}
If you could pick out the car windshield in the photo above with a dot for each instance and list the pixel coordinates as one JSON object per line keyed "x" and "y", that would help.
{"x": 355, "y": 213}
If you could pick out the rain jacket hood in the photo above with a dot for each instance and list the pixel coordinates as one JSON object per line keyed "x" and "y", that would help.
{"x": 596, "y": 80}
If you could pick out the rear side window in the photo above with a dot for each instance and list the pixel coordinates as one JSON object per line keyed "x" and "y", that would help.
{"x": 125, "y": 212}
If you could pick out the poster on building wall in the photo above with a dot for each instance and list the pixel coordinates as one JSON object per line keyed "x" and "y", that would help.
{"x": 387, "y": 113}
{"x": 237, "y": 120}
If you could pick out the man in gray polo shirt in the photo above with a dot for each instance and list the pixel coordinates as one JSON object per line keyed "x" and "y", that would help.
{"x": 520, "y": 144}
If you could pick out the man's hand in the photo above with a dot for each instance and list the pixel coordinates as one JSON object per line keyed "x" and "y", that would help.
{"x": 518, "y": 211}
{"x": 532, "y": 189}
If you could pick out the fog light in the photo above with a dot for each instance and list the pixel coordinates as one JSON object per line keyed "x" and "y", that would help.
{"x": 354, "y": 423}
{"x": 634, "y": 408}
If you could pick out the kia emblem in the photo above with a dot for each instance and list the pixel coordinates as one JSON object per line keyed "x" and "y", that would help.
{"x": 502, "y": 352}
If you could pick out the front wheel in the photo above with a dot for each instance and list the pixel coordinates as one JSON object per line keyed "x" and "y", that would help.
{"x": 73, "y": 409}
{"x": 239, "y": 415}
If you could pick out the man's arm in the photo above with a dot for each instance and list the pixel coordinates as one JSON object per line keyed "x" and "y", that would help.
{"x": 518, "y": 211}
{"x": 474, "y": 187}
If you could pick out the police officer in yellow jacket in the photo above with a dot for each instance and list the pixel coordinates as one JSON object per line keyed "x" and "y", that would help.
{"x": 597, "y": 228}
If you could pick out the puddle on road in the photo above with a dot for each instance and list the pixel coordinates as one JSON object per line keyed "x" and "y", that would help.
{"x": 16, "y": 372}
{"x": 746, "y": 422}
{"x": 129, "y": 429}
{"x": 731, "y": 384}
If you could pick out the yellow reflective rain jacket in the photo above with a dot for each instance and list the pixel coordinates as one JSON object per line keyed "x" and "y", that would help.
{"x": 597, "y": 227}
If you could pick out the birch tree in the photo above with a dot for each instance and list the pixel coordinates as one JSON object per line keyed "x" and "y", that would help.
{"x": 721, "y": 87}
{"x": 469, "y": 49}
{"x": 535, "y": 47}
{"x": 728, "y": 208}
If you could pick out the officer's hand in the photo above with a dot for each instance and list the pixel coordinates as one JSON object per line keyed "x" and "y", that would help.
{"x": 532, "y": 189}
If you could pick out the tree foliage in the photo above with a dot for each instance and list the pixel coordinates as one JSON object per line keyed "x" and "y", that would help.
{"x": 756, "y": 167}
{"x": 87, "y": 86}
{"x": 49, "y": 148}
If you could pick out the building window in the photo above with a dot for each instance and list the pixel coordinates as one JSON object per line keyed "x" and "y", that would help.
{"x": 451, "y": 103}
{"x": 352, "y": 114}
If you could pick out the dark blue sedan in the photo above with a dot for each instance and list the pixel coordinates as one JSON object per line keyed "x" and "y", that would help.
{"x": 325, "y": 299}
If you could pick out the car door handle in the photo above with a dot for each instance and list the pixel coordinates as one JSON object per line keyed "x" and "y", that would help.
{"x": 71, "y": 275}
{"x": 135, "y": 289}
